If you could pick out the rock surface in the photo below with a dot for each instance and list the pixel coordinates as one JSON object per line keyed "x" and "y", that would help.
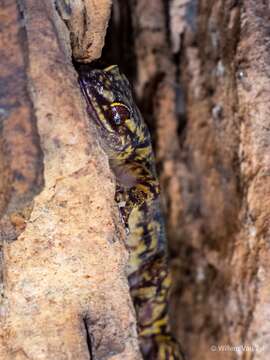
{"x": 65, "y": 294}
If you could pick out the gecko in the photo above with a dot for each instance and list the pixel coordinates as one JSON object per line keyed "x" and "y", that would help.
{"x": 127, "y": 142}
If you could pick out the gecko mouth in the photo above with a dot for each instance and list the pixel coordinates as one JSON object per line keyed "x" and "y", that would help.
{"x": 91, "y": 109}
{"x": 108, "y": 135}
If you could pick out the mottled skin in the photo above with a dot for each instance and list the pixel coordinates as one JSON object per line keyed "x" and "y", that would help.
{"x": 127, "y": 141}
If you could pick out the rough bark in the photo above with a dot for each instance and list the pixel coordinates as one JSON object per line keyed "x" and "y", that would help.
{"x": 65, "y": 294}
{"x": 201, "y": 75}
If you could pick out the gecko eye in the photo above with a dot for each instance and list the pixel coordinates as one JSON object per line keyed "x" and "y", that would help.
{"x": 119, "y": 113}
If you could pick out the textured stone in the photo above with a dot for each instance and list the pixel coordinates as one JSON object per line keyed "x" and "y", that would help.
{"x": 65, "y": 292}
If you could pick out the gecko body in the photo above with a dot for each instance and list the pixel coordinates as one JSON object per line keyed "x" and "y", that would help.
{"x": 127, "y": 142}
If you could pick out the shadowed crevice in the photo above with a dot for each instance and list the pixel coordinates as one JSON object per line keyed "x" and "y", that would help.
{"x": 88, "y": 339}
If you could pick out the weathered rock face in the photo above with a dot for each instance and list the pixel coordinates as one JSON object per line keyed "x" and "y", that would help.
{"x": 21, "y": 158}
{"x": 65, "y": 294}
{"x": 200, "y": 70}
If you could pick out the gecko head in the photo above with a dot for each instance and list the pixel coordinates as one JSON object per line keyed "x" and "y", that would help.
{"x": 110, "y": 104}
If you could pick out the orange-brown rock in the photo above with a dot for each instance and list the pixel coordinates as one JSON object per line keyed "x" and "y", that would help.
{"x": 64, "y": 293}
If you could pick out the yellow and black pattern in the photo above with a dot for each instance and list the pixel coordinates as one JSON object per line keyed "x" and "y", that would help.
{"x": 128, "y": 144}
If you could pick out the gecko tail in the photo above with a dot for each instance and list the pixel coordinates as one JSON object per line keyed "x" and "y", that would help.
{"x": 161, "y": 347}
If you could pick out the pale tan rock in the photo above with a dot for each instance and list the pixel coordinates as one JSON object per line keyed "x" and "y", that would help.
{"x": 64, "y": 276}
{"x": 87, "y": 22}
